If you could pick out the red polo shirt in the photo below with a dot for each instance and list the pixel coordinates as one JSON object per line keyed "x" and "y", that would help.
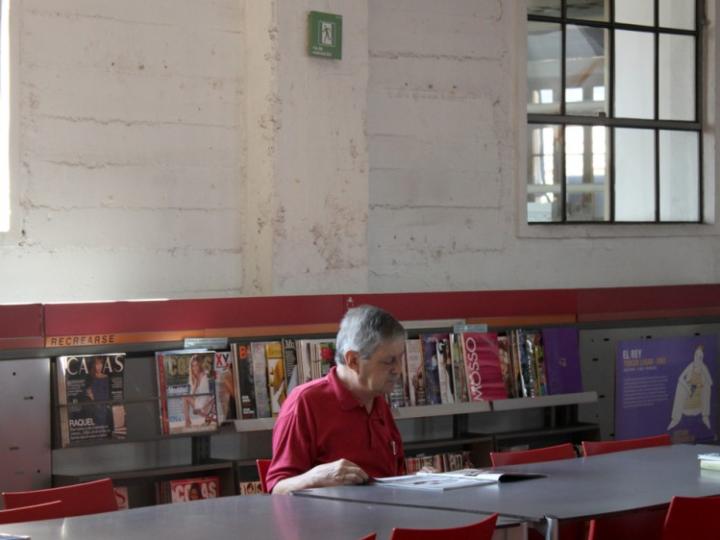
{"x": 321, "y": 422}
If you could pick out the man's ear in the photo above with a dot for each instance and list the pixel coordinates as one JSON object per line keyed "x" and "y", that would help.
{"x": 352, "y": 360}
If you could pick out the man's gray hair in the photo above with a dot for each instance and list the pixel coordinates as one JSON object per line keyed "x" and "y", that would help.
{"x": 363, "y": 329}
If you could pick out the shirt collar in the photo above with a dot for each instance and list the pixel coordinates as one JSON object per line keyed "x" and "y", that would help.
{"x": 344, "y": 396}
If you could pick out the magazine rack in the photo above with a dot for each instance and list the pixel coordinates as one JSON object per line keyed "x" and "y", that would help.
{"x": 37, "y": 332}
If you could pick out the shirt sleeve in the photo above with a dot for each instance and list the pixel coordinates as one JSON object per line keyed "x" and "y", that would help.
{"x": 294, "y": 444}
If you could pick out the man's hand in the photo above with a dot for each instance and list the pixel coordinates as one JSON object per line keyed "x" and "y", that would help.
{"x": 337, "y": 473}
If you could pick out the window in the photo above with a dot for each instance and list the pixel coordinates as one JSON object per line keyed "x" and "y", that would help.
{"x": 4, "y": 117}
{"x": 614, "y": 130}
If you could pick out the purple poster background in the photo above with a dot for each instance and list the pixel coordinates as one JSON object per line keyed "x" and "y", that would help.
{"x": 667, "y": 386}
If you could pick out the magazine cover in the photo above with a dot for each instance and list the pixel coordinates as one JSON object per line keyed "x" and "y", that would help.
{"x": 482, "y": 364}
{"x": 415, "y": 372}
{"x": 186, "y": 385}
{"x": 225, "y": 387}
{"x": 259, "y": 367}
{"x": 325, "y": 356}
{"x": 536, "y": 357}
{"x": 458, "y": 368}
{"x": 506, "y": 365}
{"x": 291, "y": 363}
{"x": 193, "y": 489}
{"x": 251, "y": 488}
{"x": 91, "y": 389}
{"x": 432, "y": 366}
{"x": 399, "y": 396}
{"x": 667, "y": 385}
{"x": 277, "y": 383}
{"x": 245, "y": 387}
{"x": 562, "y": 360}
{"x": 121, "y": 497}
{"x": 445, "y": 368}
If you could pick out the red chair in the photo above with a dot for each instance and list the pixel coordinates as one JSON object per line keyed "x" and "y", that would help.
{"x": 568, "y": 531}
{"x": 549, "y": 453}
{"x": 594, "y": 448}
{"x": 483, "y": 530}
{"x": 48, "y": 510}
{"x": 640, "y": 525}
{"x": 692, "y": 517}
{"x": 78, "y": 499}
{"x": 262, "y": 467}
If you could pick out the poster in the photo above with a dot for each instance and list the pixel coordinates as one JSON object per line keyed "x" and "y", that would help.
{"x": 667, "y": 386}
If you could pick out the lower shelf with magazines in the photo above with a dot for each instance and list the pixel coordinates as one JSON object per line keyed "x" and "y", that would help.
{"x": 527, "y": 439}
{"x": 448, "y": 454}
{"x": 158, "y": 485}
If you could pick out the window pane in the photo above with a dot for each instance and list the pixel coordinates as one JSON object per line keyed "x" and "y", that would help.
{"x": 635, "y": 12}
{"x": 543, "y": 186}
{"x": 679, "y": 176}
{"x": 592, "y": 10}
{"x": 677, "y": 77}
{"x": 548, "y": 8}
{"x": 634, "y": 75}
{"x": 586, "y": 173}
{"x": 677, "y": 14}
{"x": 634, "y": 175}
{"x": 586, "y": 67}
{"x": 543, "y": 68}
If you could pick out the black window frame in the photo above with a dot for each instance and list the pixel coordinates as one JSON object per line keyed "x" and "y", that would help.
{"x": 562, "y": 119}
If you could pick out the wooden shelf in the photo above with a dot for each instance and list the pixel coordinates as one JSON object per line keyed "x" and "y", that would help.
{"x": 515, "y": 404}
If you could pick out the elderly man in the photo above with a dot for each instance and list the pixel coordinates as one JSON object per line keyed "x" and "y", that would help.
{"x": 339, "y": 429}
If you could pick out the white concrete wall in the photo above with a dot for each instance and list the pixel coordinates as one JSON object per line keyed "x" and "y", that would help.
{"x": 187, "y": 148}
{"x": 446, "y": 132}
{"x": 308, "y": 186}
{"x": 129, "y": 133}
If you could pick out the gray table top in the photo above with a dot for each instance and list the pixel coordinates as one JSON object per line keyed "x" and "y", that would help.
{"x": 257, "y": 517}
{"x": 575, "y": 488}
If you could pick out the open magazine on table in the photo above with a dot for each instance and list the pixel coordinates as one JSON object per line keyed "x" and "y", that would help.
{"x": 455, "y": 479}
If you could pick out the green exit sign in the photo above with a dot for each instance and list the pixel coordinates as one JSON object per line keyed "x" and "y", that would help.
{"x": 325, "y": 35}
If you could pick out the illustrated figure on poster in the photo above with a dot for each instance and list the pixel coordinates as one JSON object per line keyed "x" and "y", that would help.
{"x": 97, "y": 388}
{"x": 693, "y": 391}
{"x": 199, "y": 402}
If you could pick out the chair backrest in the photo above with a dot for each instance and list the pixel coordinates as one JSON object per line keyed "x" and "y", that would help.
{"x": 48, "y": 510}
{"x": 262, "y": 468}
{"x": 78, "y": 499}
{"x": 594, "y": 448}
{"x": 692, "y": 517}
{"x": 549, "y": 453}
{"x": 371, "y": 536}
{"x": 483, "y": 530}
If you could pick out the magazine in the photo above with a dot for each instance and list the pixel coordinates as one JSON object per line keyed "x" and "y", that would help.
{"x": 90, "y": 395}
{"x": 187, "y": 489}
{"x": 186, "y": 385}
{"x": 439, "y": 481}
{"x": 225, "y": 387}
{"x": 455, "y": 479}
{"x": 493, "y": 475}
